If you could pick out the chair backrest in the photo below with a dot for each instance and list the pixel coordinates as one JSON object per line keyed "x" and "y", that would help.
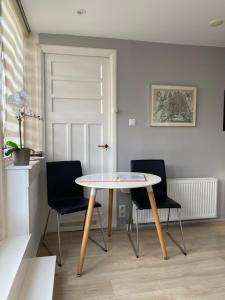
{"x": 156, "y": 167}
{"x": 61, "y": 177}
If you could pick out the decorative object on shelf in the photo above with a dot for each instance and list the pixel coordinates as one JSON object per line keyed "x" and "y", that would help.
{"x": 19, "y": 104}
{"x": 37, "y": 154}
{"x": 173, "y": 105}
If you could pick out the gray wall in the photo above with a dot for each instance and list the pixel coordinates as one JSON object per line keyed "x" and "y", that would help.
{"x": 188, "y": 152}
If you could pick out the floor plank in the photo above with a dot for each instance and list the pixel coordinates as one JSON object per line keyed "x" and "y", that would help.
{"x": 119, "y": 275}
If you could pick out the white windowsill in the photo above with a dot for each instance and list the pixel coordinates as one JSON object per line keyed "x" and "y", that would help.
{"x": 10, "y": 166}
{"x": 28, "y": 167}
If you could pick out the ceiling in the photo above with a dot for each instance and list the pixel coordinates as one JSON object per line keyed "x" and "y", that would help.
{"x": 167, "y": 21}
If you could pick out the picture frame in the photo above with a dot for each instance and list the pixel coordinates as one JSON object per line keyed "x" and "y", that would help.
{"x": 173, "y": 105}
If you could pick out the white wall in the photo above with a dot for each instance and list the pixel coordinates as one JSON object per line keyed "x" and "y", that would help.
{"x": 188, "y": 152}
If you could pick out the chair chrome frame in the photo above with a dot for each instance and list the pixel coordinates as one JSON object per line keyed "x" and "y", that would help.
{"x": 59, "y": 258}
{"x": 183, "y": 247}
{"x": 135, "y": 245}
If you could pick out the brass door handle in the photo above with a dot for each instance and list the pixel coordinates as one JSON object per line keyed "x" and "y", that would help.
{"x": 104, "y": 146}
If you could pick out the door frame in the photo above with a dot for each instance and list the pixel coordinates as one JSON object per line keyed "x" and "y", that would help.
{"x": 111, "y": 54}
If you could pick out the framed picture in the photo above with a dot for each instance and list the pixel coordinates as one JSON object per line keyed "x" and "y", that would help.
{"x": 173, "y": 105}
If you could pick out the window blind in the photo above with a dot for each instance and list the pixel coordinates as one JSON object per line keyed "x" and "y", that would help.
{"x": 12, "y": 39}
{"x": 2, "y": 232}
{"x": 32, "y": 84}
{"x": 13, "y": 42}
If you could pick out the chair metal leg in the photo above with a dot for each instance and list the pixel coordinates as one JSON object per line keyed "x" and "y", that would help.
{"x": 182, "y": 249}
{"x": 168, "y": 218}
{"x": 130, "y": 218}
{"x": 46, "y": 225}
{"x": 129, "y": 231}
{"x": 59, "y": 263}
{"x": 137, "y": 232}
{"x": 104, "y": 248}
{"x": 102, "y": 230}
{"x": 181, "y": 230}
{"x": 59, "y": 240}
{"x": 43, "y": 238}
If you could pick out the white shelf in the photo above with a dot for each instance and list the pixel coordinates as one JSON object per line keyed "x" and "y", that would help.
{"x": 28, "y": 167}
{"x": 39, "y": 279}
{"x": 11, "y": 254}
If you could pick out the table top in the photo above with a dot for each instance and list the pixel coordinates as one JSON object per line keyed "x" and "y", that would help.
{"x": 118, "y": 180}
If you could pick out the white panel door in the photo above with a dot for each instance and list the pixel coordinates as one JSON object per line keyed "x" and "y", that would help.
{"x": 79, "y": 114}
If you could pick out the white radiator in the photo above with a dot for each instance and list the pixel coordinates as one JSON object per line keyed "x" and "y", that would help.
{"x": 197, "y": 196}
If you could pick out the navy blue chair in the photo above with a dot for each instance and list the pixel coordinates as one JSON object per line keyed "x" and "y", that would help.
{"x": 141, "y": 201}
{"x": 65, "y": 196}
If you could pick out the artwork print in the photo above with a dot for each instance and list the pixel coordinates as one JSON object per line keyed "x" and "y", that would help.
{"x": 173, "y": 105}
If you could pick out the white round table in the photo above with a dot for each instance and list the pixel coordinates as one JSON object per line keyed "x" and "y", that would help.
{"x": 111, "y": 181}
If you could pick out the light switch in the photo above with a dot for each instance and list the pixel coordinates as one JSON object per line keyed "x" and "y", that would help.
{"x": 132, "y": 122}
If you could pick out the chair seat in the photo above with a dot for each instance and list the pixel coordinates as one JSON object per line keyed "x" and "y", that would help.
{"x": 140, "y": 198}
{"x": 67, "y": 205}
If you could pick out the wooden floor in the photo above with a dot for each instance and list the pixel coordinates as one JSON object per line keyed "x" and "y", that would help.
{"x": 119, "y": 275}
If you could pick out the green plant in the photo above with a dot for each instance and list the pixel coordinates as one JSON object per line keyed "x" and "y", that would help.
{"x": 11, "y": 147}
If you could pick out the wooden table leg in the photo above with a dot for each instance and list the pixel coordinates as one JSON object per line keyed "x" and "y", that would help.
{"x": 157, "y": 221}
{"x": 87, "y": 226}
{"x": 110, "y": 208}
